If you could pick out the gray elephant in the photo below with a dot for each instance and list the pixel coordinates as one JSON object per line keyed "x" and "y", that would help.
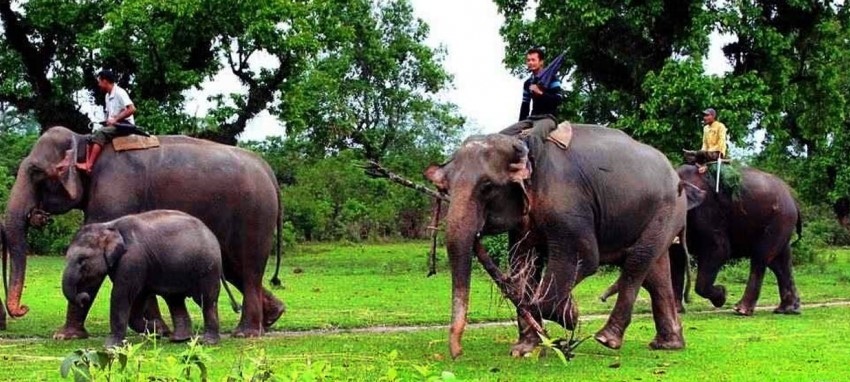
{"x": 606, "y": 199}
{"x": 161, "y": 252}
{"x": 233, "y": 191}
{"x": 757, "y": 224}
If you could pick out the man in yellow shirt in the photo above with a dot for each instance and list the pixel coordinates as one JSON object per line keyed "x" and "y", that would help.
{"x": 713, "y": 137}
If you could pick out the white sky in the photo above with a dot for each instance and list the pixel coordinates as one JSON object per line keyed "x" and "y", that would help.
{"x": 485, "y": 92}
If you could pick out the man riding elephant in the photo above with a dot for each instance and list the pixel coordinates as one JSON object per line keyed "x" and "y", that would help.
{"x": 541, "y": 98}
{"x": 713, "y": 140}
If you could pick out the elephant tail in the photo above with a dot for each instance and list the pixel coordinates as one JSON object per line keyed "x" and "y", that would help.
{"x": 683, "y": 237}
{"x": 276, "y": 278}
{"x": 799, "y": 225}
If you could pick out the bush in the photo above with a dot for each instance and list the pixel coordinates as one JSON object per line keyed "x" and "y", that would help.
{"x": 820, "y": 230}
{"x": 53, "y": 239}
{"x": 497, "y": 246}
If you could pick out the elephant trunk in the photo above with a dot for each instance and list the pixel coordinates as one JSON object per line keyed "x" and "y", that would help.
{"x": 463, "y": 222}
{"x": 21, "y": 202}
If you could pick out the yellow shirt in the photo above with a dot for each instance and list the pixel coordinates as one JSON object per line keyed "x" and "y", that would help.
{"x": 714, "y": 138}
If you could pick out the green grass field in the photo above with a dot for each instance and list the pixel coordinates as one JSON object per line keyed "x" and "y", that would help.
{"x": 360, "y": 286}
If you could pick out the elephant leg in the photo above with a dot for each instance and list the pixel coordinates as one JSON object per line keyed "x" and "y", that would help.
{"x": 636, "y": 265}
{"x": 209, "y": 306}
{"x": 145, "y": 317}
{"x": 569, "y": 262}
{"x": 526, "y": 270}
{"x": 781, "y": 267}
{"x": 747, "y": 305}
{"x": 678, "y": 272}
{"x": 251, "y": 321}
{"x": 119, "y": 313}
{"x": 75, "y": 318}
{"x": 180, "y": 318}
{"x": 668, "y": 328}
{"x": 708, "y": 268}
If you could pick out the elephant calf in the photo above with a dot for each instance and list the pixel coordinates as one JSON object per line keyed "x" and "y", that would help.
{"x": 162, "y": 252}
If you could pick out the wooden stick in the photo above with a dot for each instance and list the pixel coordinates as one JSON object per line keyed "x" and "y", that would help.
{"x": 435, "y": 225}
{"x": 374, "y": 169}
{"x": 502, "y": 282}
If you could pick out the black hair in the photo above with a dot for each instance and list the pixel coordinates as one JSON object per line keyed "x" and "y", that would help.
{"x": 537, "y": 51}
{"x": 107, "y": 75}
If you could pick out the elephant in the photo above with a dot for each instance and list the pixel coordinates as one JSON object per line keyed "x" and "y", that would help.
{"x": 757, "y": 224}
{"x": 606, "y": 199}
{"x": 160, "y": 252}
{"x": 233, "y": 191}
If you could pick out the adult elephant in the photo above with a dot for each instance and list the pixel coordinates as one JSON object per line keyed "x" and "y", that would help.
{"x": 606, "y": 199}
{"x": 231, "y": 190}
{"x": 756, "y": 223}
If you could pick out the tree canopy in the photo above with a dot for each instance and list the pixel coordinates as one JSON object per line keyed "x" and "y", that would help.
{"x": 639, "y": 65}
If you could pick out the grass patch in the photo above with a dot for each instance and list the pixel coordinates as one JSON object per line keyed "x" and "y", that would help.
{"x": 351, "y": 286}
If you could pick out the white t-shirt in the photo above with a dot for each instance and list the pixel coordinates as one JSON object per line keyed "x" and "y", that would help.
{"x": 117, "y": 101}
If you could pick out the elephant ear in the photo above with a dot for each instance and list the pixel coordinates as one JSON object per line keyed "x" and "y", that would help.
{"x": 520, "y": 167}
{"x": 68, "y": 174}
{"x": 437, "y": 175}
{"x": 695, "y": 195}
{"x": 113, "y": 246}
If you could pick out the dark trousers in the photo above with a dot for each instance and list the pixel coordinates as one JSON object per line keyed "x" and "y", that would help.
{"x": 540, "y": 125}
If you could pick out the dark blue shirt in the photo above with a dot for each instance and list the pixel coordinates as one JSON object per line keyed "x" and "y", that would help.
{"x": 546, "y": 103}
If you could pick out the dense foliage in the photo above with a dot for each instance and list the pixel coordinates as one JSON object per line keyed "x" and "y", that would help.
{"x": 639, "y": 65}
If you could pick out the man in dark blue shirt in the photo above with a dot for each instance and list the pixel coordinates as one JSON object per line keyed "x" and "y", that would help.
{"x": 539, "y": 101}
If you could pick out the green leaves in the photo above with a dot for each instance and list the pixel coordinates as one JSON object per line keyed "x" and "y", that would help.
{"x": 639, "y": 67}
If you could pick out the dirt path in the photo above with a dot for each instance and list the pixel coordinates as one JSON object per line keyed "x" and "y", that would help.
{"x": 418, "y": 328}
{"x": 584, "y": 318}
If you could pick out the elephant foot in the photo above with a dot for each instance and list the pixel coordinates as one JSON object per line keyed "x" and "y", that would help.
{"x": 211, "y": 339}
{"x": 788, "y": 309}
{"x": 70, "y": 333}
{"x": 524, "y": 347}
{"x": 180, "y": 336}
{"x": 744, "y": 310}
{"x": 114, "y": 341}
{"x": 609, "y": 338}
{"x": 719, "y": 300}
{"x": 271, "y": 313}
{"x": 673, "y": 342}
{"x": 2, "y": 324}
{"x": 157, "y": 327}
{"x": 246, "y": 333}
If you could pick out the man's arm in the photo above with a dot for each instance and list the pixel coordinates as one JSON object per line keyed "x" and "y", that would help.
{"x": 552, "y": 94}
{"x": 704, "y": 139}
{"x": 129, "y": 107}
{"x": 525, "y": 107}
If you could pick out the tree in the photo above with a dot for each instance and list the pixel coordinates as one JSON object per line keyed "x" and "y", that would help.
{"x": 374, "y": 88}
{"x": 639, "y": 66}
{"x": 50, "y": 51}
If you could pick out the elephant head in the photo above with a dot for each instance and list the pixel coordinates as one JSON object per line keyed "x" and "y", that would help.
{"x": 95, "y": 250}
{"x": 695, "y": 186}
{"x": 47, "y": 180}
{"x": 485, "y": 181}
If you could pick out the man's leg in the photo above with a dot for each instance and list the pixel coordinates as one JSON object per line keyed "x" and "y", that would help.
{"x": 544, "y": 126}
{"x": 517, "y": 128}
{"x": 98, "y": 139}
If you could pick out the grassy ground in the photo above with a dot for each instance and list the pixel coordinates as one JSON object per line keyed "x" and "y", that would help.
{"x": 331, "y": 286}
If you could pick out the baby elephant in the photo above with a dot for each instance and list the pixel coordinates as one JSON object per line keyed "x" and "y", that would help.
{"x": 165, "y": 253}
